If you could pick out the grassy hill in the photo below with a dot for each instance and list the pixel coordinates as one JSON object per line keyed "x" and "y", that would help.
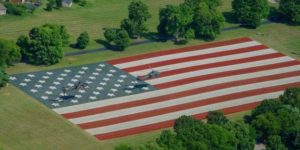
{"x": 27, "y": 124}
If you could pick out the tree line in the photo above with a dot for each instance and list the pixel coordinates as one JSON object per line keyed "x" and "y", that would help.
{"x": 275, "y": 122}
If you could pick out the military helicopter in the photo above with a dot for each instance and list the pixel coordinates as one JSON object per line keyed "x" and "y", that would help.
{"x": 152, "y": 74}
{"x": 77, "y": 86}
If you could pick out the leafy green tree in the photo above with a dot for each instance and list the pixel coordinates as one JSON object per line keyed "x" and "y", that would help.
{"x": 118, "y": 37}
{"x": 137, "y": 17}
{"x": 216, "y": 117}
{"x": 3, "y": 77}
{"x": 194, "y": 4}
{"x": 274, "y": 143}
{"x": 9, "y": 53}
{"x": 290, "y": 9}
{"x": 176, "y": 21}
{"x": 244, "y": 134}
{"x": 250, "y": 12}
{"x": 58, "y": 3}
{"x": 44, "y": 45}
{"x": 82, "y": 40}
{"x": 50, "y": 5}
{"x": 291, "y": 96}
{"x": 169, "y": 141}
{"x": 207, "y": 22}
{"x": 268, "y": 105}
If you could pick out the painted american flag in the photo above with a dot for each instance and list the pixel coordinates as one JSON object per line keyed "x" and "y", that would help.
{"x": 231, "y": 76}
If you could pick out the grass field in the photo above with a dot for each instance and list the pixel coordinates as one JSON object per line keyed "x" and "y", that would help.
{"x": 27, "y": 124}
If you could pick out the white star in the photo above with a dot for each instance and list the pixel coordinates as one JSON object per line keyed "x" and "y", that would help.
{"x": 55, "y": 104}
{"x": 120, "y": 80}
{"x": 49, "y": 73}
{"x": 81, "y": 72}
{"x": 96, "y": 93}
{"x": 74, "y": 80}
{"x": 128, "y": 91}
{"x": 41, "y": 81}
{"x": 88, "y": 82}
{"x": 112, "y": 70}
{"x": 106, "y": 79}
{"x": 48, "y": 92}
{"x": 78, "y": 96}
{"x": 61, "y": 94}
{"x": 99, "y": 88}
{"x": 111, "y": 94}
{"x": 77, "y": 76}
{"x": 92, "y": 97}
{"x": 60, "y": 79}
{"x": 31, "y": 75}
{"x": 23, "y": 84}
{"x": 84, "y": 68}
{"x": 27, "y": 80}
{"x": 12, "y": 78}
{"x": 52, "y": 87}
{"x": 92, "y": 77}
{"x": 95, "y": 73}
{"x": 145, "y": 88}
{"x": 45, "y": 77}
{"x": 56, "y": 83}
{"x": 131, "y": 86}
{"x": 81, "y": 91}
{"x": 67, "y": 70}
{"x": 114, "y": 90}
{"x": 70, "y": 84}
{"x": 63, "y": 75}
{"x": 117, "y": 85}
{"x": 44, "y": 97}
{"x": 98, "y": 69}
{"x": 74, "y": 101}
{"x": 109, "y": 74}
{"x": 102, "y": 83}
{"x": 33, "y": 90}
{"x": 38, "y": 86}
{"x": 123, "y": 76}
{"x": 101, "y": 65}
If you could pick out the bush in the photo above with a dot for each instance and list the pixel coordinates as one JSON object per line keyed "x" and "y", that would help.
{"x": 118, "y": 37}
{"x": 290, "y": 9}
{"x": 82, "y": 40}
{"x": 18, "y": 10}
{"x": 3, "y": 77}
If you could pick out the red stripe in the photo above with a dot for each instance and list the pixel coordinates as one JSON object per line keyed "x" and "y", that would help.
{"x": 198, "y": 103}
{"x": 179, "y": 50}
{"x": 170, "y": 96}
{"x": 170, "y": 123}
{"x": 219, "y": 64}
{"x": 223, "y": 74}
{"x": 197, "y": 57}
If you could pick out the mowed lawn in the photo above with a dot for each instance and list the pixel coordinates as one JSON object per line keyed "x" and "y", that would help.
{"x": 27, "y": 124}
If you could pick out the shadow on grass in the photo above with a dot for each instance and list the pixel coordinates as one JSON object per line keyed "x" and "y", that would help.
{"x": 229, "y": 17}
{"x": 108, "y": 45}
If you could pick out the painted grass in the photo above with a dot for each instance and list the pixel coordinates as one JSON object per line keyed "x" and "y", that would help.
{"x": 27, "y": 124}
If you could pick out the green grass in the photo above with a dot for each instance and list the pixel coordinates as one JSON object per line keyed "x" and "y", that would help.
{"x": 27, "y": 124}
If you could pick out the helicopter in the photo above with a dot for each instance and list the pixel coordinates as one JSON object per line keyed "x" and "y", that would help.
{"x": 152, "y": 74}
{"x": 77, "y": 86}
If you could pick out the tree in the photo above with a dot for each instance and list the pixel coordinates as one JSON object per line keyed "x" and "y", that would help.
{"x": 58, "y": 3}
{"x": 274, "y": 143}
{"x": 216, "y": 117}
{"x": 118, "y": 37}
{"x": 207, "y": 22}
{"x": 50, "y": 5}
{"x": 3, "y": 77}
{"x": 250, "y": 12}
{"x": 176, "y": 21}
{"x": 44, "y": 44}
{"x": 137, "y": 17}
{"x": 268, "y": 105}
{"x": 212, "y": 4}
{"x": 291, "y": 96}
{"x": 168, "y": 141}
{"x": 290, "y": 9}
{"x": 82, "y": 40}
{"x": 9, "y": 53}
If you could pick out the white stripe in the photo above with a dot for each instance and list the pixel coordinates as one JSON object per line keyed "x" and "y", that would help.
{"x": 186, "y": 54}
{"x": 186, "y": 75}
{"x": 183, "y": 100}
{"x": 174, "y": 115}
{"x": 135, "y": 97}
{"x": 204, "y": 61}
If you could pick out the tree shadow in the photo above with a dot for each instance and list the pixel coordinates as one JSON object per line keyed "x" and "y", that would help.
{"x": 229, "y": 17}
{"x": 108, "y": 45}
